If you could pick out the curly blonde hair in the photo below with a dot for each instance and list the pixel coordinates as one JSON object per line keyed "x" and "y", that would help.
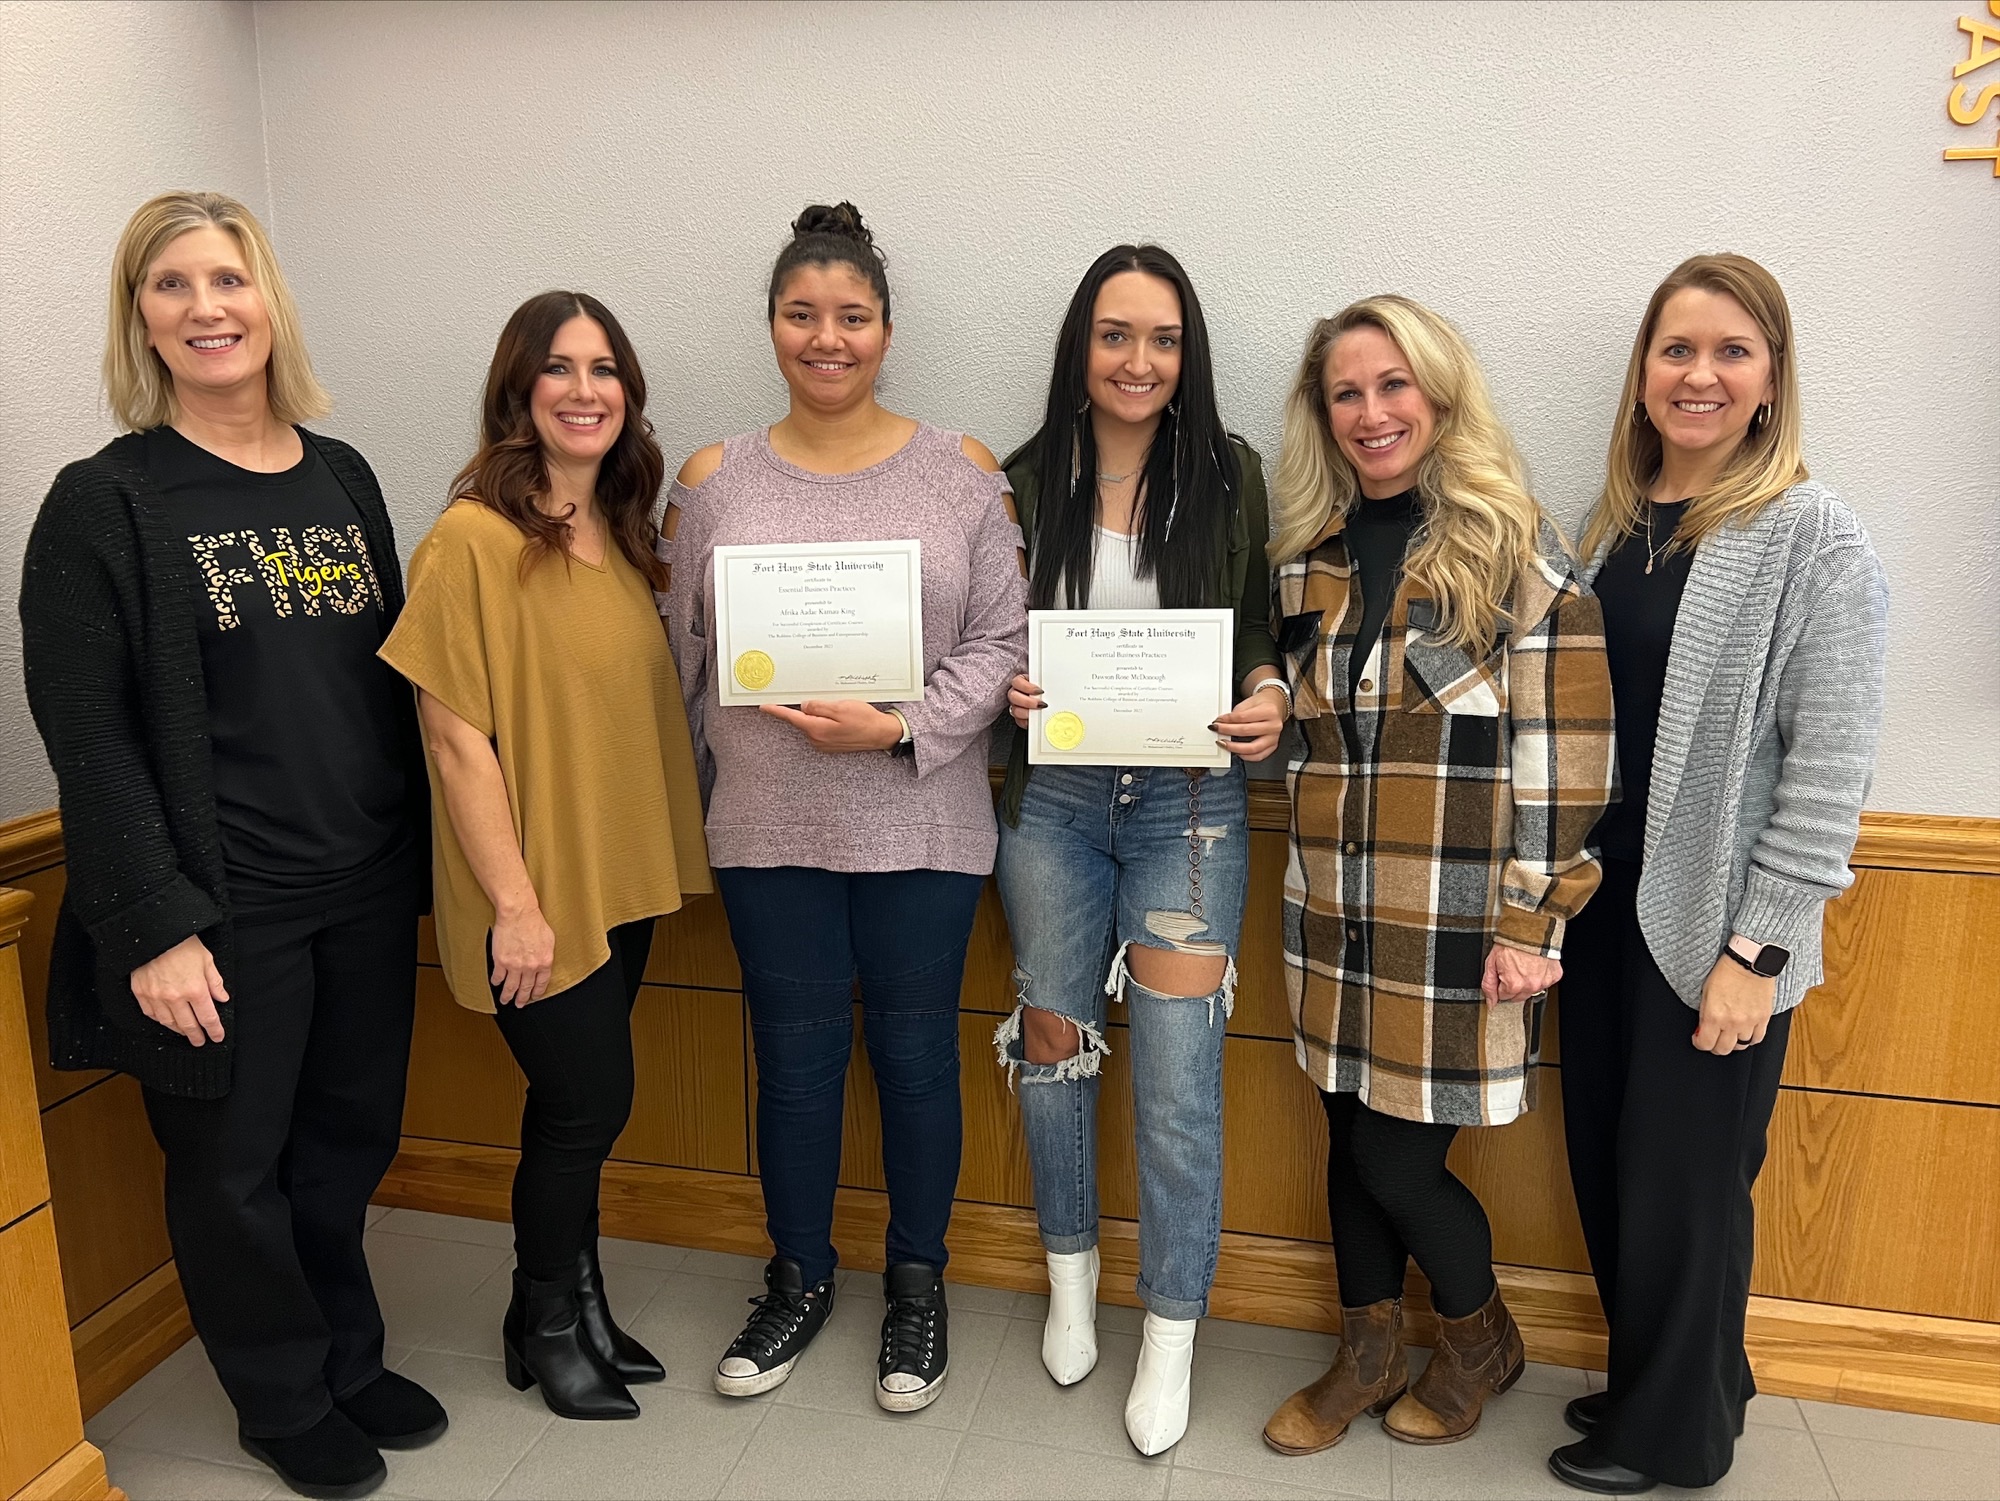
{"x": 1770, "y": 459}
{"x": 1480, "y": 529}
{"x": 137, "y": 382}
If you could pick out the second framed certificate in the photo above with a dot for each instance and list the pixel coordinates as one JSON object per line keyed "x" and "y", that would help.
{"x": 802, "y": 620}
{"x": 1129, "y": 687}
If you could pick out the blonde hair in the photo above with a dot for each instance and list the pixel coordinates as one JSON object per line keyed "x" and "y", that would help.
{"x": 1768, "y": 461}
{"x": 1480, "y": 529}
{"x": 137, "y": 382}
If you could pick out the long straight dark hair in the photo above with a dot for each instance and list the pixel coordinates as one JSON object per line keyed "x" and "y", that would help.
{"x": 509, "y": 472}
{"x": 1191, "y": 481}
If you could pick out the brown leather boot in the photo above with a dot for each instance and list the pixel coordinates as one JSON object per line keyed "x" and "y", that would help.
{"x": 1369, "y": 1372}
{"x": 1476, "y": 1358}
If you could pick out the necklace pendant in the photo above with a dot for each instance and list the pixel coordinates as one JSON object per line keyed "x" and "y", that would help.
{"x": 1649, "y": 564}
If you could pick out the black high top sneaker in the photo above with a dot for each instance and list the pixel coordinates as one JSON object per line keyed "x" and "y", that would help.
{"x": 910, "y": 1372}
{"x": 786, "y": 1319}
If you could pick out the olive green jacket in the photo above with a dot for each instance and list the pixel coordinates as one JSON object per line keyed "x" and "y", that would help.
{"x": 1243, "y": 584}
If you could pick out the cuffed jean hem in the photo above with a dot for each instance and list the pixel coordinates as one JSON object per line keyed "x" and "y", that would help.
{"x": 1172, "y": 1308}
{"x": 1069, "y": 1245}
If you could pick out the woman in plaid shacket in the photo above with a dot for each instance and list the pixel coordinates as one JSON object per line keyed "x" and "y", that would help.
{"x": 1448, "y": 672}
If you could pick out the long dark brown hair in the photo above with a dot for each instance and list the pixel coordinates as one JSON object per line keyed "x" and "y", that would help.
{"x": 509, "y": 473}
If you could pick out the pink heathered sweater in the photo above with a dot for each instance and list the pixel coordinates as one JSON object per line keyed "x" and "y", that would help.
{"x": 772, "y": 798}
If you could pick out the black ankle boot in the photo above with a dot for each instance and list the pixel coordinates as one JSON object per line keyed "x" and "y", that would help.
{"x": 631, "y": 1361}
{"x": 545, "y": 1344}
{"x": 333, "y": 1459}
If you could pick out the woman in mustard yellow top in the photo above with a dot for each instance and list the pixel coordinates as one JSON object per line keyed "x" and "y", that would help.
{"x": 567, "y": 814}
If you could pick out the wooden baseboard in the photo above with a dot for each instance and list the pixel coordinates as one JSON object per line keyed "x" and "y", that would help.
{"x": 77, "y": 1476}
{"x": 128, "y": 1336}
{"x": 1906, "y": 1362}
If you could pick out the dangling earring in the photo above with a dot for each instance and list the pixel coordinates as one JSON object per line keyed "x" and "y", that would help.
{"x": 1638, "y": 414}
{"x": 1084, "y": 408}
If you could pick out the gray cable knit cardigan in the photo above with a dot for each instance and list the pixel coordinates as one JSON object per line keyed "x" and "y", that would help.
{"x": 1767, "y": 734}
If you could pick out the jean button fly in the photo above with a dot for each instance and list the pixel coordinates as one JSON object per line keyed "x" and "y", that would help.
{"x": 1124, "y": 797}
{"x": 1126, "y": 780}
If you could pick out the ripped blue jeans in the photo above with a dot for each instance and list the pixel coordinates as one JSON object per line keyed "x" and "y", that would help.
{"x": 1103, "y": 858}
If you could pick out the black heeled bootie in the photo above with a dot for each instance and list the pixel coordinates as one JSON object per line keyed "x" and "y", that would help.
{"x": 629, "y": 1360}
{"x": 546, "y": 1345}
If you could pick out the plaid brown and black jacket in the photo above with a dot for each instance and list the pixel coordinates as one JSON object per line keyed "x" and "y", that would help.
{"x": 1441, "y": 806}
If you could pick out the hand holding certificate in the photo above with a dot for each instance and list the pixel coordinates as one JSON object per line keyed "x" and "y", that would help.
{"x": 819, "y": 620}
{"x": 1129, "y": 687}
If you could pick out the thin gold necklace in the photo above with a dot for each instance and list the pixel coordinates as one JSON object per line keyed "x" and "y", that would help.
{"x": 1651, "y": 556}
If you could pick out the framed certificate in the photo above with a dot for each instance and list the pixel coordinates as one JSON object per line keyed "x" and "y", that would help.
{"x": 1130, "y": 687}
{"x": 800, "y": 620}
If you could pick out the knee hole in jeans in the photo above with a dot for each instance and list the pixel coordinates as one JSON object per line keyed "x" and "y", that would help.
{"x": 1049, "y": 1036}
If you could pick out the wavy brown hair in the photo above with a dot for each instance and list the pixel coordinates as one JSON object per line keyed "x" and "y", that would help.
{"x": 509, "y": 473}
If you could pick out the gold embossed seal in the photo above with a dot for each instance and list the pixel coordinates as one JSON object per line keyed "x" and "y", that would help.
{"x": 754, "y": 670}
{"x": 1064, "y": 731}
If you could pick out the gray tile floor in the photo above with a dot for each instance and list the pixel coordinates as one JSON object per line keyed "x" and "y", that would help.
{"x": 1002, "y": 1428}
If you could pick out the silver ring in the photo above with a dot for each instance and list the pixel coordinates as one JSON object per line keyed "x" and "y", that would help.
{"x": 1540, "y": 995}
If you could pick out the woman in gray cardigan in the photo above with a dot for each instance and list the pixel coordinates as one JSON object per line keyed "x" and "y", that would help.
{"x": 1744, "y": 615}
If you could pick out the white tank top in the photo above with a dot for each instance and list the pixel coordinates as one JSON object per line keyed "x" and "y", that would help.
{"x": 1114, "y": 575}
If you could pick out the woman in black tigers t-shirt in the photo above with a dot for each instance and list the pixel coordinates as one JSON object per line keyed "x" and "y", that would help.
{"x": 243, "y": 806}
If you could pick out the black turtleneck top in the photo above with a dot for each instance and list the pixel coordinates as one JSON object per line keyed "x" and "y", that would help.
{"x": 1378, "y": 536}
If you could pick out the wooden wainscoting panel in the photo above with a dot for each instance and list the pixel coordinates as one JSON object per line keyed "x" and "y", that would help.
{"x": 77, "y": 1476}
{"x": 989, "y": 958}
{"x": 46, "y": 886}
{"x": 39, "y": 1417}
{"x": 1929, "y": 841}
{"x": 128, "y": 1336}
{"x": 1261, "y": 1007}
{"x": 105, "y": 1176}
{"x": 1274, "y": 1143}
{"x": 692, "y": 947}
{"x": 861, "y": 1119}
{"x": 427, "y": 942}
{"x": 24, "y": 1180}
{"x": 1909, "y": 1008}
{"x": 994, "y": 1168}
{"x": 464, "y": 1085}
{"x": 689, "y": 1105}
{"x": 1879, "y": 1203}
{"x": 1521, "y": 1173}
{"x": 31, "y": 842}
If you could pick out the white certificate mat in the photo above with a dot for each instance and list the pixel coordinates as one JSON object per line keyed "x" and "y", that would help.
{"x": 829, "y": 620}
{"x": 1129, "y": 687}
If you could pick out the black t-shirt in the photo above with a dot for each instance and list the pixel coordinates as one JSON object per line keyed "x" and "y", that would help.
{"x": 302, "y": 715}
{"x": 1378, "y": 536}
{"x": 1640, "y": 609}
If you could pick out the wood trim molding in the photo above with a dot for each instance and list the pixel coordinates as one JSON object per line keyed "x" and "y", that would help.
{"x": 1929, "y": 841}
{"x": 14, "y": 909}
{"x": 32, "y": 842}
{"x": 77, "y": 1476}
{"x": 128, "y": 1336}
{"x": 1906, "y": 1362}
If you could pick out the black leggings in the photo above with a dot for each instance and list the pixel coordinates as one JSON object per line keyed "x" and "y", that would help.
{"x": 576, "y": 1048}
{"x": 1391, "y": 1197}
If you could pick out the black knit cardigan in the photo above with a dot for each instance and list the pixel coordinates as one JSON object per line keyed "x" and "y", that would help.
{"x": 109, "y": 594}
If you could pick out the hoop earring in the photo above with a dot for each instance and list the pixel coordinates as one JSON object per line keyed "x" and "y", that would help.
{"x": 1763, "y": 416}
{"x": 1639, "y": 417}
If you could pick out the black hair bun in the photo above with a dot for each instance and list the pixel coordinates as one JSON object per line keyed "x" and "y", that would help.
{"x": 842, "y": 220}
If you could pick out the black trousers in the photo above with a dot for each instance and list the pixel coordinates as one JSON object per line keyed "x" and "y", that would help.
{"x": 1665, "y": 1143}
{"x": 576, "y": 1048}
{"x": 1391, "y": 1197}
{"x": 268, "y": 1187}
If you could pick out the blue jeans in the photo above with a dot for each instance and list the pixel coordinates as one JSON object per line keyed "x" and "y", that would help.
{"x": 1105, "y": 857}
{"x": 803, "y": 935}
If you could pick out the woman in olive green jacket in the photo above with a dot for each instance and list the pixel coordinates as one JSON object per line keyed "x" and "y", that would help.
{"x": 1128, "y": 882}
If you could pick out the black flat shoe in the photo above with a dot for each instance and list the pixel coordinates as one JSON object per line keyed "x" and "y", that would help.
{"x": 1581, "y": 1466}
{"x": 331, "y": 1461}
{"x": 1583, "y": 1413}
{"x": 395, "y": 1413}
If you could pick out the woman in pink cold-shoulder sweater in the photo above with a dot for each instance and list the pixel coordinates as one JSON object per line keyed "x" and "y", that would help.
{"x": 850, "y": 839}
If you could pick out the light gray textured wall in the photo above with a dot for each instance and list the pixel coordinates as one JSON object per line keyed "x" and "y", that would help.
{"x": 1531, "y": 170}
{"x": 101, "y": 106}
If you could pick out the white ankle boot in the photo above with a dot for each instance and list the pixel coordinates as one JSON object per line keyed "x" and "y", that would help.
{"x": 1069, "y": 1339}
{"x": 1156, "y": 1414}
